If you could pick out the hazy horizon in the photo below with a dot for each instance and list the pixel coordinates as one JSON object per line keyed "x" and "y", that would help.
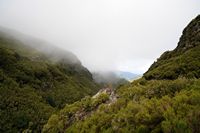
{"x": 124, "y": 35}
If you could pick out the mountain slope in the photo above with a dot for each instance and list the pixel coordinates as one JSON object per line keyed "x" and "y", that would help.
{"x": 165, "y": 100}
{"x": 34, "y": 83}
{"x": 183, "y": 61}
{"x": 143, "y": 107}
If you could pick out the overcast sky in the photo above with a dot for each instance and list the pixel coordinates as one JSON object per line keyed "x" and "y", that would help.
{"x": 123, "y": 35}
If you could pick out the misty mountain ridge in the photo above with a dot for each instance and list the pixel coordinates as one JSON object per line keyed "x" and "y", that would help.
{"x": 30, "y": 43}
{"x": 34, "y": 82}
{"x": 109, "y": 79}
{"x": 112, "y": 76}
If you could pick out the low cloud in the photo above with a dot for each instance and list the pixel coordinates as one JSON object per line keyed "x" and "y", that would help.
{"x": 107, "y": 34}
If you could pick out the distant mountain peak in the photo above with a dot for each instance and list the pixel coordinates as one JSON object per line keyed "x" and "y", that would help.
{"x": 127, "y": 75}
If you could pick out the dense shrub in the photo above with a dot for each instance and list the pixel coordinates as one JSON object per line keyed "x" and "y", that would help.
{"x": 156, "y": 106}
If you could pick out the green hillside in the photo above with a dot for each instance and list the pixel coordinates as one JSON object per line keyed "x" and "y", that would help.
{"x": 34, "y": 84}
{"x": 184, "y": 61}
{"x": 165, "y": 100}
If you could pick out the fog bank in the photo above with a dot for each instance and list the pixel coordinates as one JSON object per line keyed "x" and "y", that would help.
{"x": 126, "y": 35}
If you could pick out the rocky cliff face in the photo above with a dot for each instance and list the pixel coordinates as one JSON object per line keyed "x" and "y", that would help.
{"x": 191, "y": 36}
